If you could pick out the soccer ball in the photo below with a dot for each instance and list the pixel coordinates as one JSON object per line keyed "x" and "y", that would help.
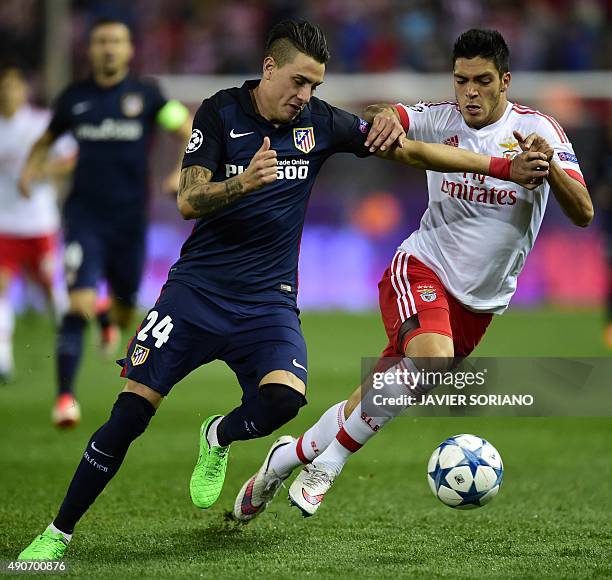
{"x": 465, "y": 472}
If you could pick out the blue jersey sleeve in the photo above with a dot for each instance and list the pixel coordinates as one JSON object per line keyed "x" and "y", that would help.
{"x": 61, "y": 121}
{"x": 206, "y": 145}
{"x": 349, "y": 133}
{"x": 156, "y": 99}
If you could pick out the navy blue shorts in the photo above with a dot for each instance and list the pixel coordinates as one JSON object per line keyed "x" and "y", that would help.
{"x": 91, "y": 256}
{"x": 186, "y": 329}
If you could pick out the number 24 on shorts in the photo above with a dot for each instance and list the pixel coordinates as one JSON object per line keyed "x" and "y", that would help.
{"x": 160, "y": 331}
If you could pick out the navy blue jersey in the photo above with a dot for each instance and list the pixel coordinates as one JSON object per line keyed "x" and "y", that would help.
{"x": 113, "y": 127}
{"x": 249, "y": 250}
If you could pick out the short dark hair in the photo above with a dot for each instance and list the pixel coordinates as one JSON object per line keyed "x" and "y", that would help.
{"x": 105, "y": 21}
{"x": 289, "y": 36}
{"x": 489, "y": 44}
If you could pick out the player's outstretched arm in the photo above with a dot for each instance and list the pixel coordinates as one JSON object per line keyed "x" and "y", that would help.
{"x": 35, "y": 162}
{"x": 61, "y": 168}
{"x": 526, "y": 169}
{"x": 385, "y": 127}
{"x": 573, "y": 197}
{"x": 175, "y": 118}
{"x": 198, "y": 197}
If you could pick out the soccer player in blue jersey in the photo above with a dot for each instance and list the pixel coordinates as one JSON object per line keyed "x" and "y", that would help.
{"x": 113, "y": 116}
{"x": 248, "y": 170}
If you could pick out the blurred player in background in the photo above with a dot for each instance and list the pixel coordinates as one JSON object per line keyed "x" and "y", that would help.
{"x": 451, "y": 276}
{"x": 604, "y": 201}
{"x": 248, "y": 170}
{"x": 113, "y": 116}
{"x": 28, "y": 227}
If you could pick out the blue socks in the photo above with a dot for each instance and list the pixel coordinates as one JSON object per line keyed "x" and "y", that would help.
{"x": 69, "y": 351}
{"x": 103, "y": 456}
{"x": 270, "y": 408}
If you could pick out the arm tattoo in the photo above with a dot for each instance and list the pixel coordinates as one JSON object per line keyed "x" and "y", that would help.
{"x": 203, "y": 196}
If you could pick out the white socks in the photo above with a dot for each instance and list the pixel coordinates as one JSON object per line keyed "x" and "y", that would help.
{"x": 7, "y": 326}
{"x": 369, "y": 417}
{"x": 55, "y": 530}
{"x": 211, "y": 436}
{"x": 310, "y": 444}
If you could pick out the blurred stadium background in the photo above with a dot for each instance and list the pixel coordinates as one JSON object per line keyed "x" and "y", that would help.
{"x": 387, "y": 50}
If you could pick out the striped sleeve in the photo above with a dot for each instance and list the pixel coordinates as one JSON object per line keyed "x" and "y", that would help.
{"x": 549, "y": 128}
{"x": 424, "y": 121}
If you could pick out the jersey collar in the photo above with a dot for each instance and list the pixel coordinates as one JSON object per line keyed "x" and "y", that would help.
{"x": 493, "y": 126}
{"x": 120, "y": 84}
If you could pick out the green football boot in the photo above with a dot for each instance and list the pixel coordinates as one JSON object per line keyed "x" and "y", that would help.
{"x": 209, "y": 473}
{"x": 48, "y": 546}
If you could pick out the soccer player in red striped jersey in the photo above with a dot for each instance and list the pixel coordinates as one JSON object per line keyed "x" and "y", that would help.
{"x": 448, "y": 279}
{"x": 28, "y": 227}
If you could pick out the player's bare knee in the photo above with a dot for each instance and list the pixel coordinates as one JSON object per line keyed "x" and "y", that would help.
{"x": 122, "y": 313}
{"x": 82, "y": 312}
{"x": 431, "y": 351}
{"x": 123, "y": 319}
{"x": 146, "y": 392}
{"x": 284, "y": 378}
{"x": 83, "y": 303}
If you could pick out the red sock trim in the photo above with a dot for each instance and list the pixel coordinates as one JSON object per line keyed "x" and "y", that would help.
{"x": 300, "y": 453}
{"x": 347, "y": 441}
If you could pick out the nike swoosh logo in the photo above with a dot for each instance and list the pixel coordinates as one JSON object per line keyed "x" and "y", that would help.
{"x": 298, "y": 365}
{"x": 246, "y": 505}
{"x": 237, "y": 135}
{"x": 93, "y": 446}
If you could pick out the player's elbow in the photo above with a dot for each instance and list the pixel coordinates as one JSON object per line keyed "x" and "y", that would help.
{"x": 585, "y": 217}
{"x": 187, "y": 212}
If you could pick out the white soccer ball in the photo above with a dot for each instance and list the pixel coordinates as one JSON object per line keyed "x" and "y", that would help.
{"x": 465, "y": 472}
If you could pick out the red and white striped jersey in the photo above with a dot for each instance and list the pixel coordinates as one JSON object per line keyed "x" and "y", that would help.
{"x": 38, "y": 215}
{"x": 477, "y": 230}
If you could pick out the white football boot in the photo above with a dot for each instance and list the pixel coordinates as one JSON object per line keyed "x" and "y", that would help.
{"x": 309, "y": 488}
{"x": 258, "y": 491}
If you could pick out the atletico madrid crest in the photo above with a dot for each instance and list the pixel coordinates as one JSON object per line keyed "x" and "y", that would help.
{"x": 132, "y": 104}
{"x": 303, "y": 139}
{"x": 139, "y": 355}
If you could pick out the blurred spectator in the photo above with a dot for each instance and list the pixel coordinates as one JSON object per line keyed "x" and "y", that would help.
{"x": 203, "y": 36}
{"x": 21, "y": 38}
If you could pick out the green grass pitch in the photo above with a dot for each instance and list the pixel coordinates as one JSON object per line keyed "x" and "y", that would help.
{"x": 551, "y": 519}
